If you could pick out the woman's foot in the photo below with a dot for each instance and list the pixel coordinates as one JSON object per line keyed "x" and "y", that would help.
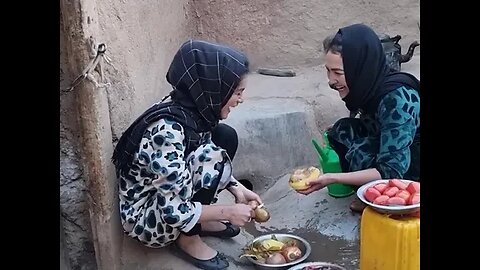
{"x": 357, "y": 206}
{"x": 195, "y": 247}
{"x": 195, "y": 251}
{"x": 219, "y": 229}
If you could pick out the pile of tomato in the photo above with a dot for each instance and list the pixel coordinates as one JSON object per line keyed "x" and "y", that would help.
{"x": 394, "y": 192}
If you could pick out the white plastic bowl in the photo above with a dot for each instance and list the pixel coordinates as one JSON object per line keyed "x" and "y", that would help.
{"x": 387, "y": 209}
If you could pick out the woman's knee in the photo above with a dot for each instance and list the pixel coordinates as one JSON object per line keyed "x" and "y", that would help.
{"x": 225, "y": 131}
{"x": 344, "y": 123}
{"x": 347, "y": 129}
{"x": 226, "y": 137}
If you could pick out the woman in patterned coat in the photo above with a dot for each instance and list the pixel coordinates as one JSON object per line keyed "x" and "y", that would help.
{"x": 175, "y": 158}
{"x": 384, "y": 142}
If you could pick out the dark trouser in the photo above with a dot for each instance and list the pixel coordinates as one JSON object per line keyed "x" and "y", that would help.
{"x": 223, "y": 136}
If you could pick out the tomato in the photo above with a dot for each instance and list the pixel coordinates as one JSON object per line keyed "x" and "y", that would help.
{"x": 397, "y": 183}
{"x": 371, "y": 194}
{"x": 403, "y": 194}
{"x": 381, "y": 187}
{"x": 396, "y": 201}
{"x": 381, "y": 200}
{"x": 391, "y": 191}
{"x": 414, "y": 199}
{"x": 413, "y": 187}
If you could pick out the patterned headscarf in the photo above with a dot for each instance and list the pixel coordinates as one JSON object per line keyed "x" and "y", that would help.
{"x": 203, "y": 76}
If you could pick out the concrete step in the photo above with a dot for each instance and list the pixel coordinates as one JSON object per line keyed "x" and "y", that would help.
{"x": 274, "y": 137}
{"x": 276, "y": 124}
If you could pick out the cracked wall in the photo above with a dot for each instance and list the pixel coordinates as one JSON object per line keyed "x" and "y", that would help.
{"x": 141, "y": 39}
{"x": 289, "y": 33}
{"x": 75, "y": 222}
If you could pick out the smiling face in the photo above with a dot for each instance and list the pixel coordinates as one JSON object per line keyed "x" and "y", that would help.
{"x": 336, "y": 74}
{"x": 235, "y": 99}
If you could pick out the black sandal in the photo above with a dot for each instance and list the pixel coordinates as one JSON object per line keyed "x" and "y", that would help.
{"x": 357, "y": 206}
{"x": 229, "y": 232}
{"x": 219, "y": 262}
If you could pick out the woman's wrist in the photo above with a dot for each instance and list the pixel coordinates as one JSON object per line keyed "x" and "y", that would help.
{"x": 226, "y": 212}
{"x": 215, "y": 212}
{"x": 332, "y": 178}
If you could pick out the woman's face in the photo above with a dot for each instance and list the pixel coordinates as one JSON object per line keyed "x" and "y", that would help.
{"x": 336, "y": 74}
{"x": 234, "y": 100}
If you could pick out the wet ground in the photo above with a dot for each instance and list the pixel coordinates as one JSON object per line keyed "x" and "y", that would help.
{"x": 325, "y": 222}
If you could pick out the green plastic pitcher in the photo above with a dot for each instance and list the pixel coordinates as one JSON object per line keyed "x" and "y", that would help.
{"x": 330, "y": 163}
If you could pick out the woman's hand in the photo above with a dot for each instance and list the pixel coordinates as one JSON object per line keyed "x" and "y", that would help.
{"x": 240, "y": 214}
{"x": 251, "y": 196}
{"x": 244, "y": 195}
{"x": 317, "y": 184}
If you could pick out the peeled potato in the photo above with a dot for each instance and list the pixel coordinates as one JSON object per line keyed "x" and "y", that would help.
{"x": 300, "y": 177}
{"x": 261, "y": 215}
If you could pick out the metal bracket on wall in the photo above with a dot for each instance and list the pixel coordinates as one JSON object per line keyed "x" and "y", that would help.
{"x": 97, "y": 54}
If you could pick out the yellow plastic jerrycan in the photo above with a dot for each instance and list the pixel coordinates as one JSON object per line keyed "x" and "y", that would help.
{"x": 388, "y": 242}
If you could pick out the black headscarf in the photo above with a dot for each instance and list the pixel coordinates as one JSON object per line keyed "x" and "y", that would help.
{"x": 203, "y": 76}
{"x": 367, "y": 74}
